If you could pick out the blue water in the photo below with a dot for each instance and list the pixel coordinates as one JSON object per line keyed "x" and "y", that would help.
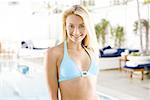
{"x": 23, "y": 90}
{"x": 103, "y": 96}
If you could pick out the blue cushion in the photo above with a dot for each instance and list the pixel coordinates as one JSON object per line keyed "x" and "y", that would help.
{"x": 100, "y": 51}
{"x": 107, "y": 47}
{"x": 133, "y": 50}
{"x": 138, "y": 66}
{"x": 109, "y": 55}
{"x": 120, "y": 50}
{"x": 115, "y": 54}
{"x": 110, "y": 51}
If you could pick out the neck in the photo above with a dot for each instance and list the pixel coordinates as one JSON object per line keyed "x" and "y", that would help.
{"x": 74, "y": 46}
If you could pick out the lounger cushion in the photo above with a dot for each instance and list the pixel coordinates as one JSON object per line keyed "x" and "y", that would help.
{"x": 138, "y": 66}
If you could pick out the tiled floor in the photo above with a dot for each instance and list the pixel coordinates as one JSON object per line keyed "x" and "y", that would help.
{"x": 119, "y": 85}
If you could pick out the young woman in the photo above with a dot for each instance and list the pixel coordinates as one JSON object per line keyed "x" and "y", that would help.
{"x": 71, "y": 66}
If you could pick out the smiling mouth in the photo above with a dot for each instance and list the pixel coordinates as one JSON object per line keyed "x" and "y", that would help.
{"x": 77, "y": 36}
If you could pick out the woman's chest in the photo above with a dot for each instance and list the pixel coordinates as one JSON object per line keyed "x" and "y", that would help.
{"x": 81, "y": 59}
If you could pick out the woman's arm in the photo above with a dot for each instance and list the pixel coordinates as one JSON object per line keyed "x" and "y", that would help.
{"x": 51, "y": 60}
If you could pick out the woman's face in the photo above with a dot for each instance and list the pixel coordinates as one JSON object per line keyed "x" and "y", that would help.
{"x": 76, "y": 30}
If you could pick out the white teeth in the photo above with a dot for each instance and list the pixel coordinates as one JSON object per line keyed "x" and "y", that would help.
{"x": 77, "y": 37}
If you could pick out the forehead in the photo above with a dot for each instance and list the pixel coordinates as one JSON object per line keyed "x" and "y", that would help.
{"x": 74, "y": 19}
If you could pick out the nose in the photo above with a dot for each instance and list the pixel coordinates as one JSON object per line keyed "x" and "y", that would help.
{"x": 76, "y": 32}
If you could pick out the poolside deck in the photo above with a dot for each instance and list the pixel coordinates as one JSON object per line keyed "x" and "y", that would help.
{"x": 119, "y": 85}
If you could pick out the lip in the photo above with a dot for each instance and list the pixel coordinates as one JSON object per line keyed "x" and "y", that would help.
{"x": 76, "y": 37}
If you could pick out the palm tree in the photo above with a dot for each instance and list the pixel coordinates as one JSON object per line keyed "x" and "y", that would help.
{"x": 139, "y": 25}
{"x": 145, "y": 26}
{"x": 142, "y": 23}
{"x": 147, "y": 2}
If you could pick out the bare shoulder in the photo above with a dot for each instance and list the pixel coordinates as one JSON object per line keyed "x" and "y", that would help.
{"x": 55, "y": 51}
{"x": 52, "y": 57}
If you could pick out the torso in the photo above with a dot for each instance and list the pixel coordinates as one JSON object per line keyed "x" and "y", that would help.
{"x": 80, "y": 88}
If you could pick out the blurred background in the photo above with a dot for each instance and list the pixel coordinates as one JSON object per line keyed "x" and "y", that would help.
{"x": 29, "y": 27}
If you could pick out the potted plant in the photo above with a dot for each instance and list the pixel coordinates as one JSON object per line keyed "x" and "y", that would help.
{"x": 118, "y": 35}
{"x": 145, "y": 27}
{"x": 101, "y": 31}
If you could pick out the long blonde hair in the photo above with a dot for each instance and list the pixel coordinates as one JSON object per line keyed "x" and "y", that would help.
{"x": 90, "y": 40}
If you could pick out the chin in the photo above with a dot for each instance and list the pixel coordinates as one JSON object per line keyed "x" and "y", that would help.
{"x": 77, "y": 40}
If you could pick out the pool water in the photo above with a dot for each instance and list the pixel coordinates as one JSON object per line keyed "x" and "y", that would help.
{"x": 103, "y": 96}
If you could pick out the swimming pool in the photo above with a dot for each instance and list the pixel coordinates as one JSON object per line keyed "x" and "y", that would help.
{"x": 103, "y": 96}
{"x": 25, "y": 83}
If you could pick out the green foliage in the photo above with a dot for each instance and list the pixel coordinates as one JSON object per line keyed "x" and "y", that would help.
{"x": 100, "y": 29}
{"x": 135, "y": 54}
{"x": 135, "y": 26}
{"x": 146, "y": 1}
{"x": 118, "y": 34}
{"x": 144, "y": 24}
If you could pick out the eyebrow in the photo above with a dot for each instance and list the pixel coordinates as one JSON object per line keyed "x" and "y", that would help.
{"x": 79, "y": 24}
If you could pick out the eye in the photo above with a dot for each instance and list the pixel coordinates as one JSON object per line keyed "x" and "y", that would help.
{"x": 71, "y": 26}
{"x": 81, "y": 26}
{"x": 81, "y": 34}
{"x": 71, "y": 34}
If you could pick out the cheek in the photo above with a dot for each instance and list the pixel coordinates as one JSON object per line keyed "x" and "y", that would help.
{"x": 84, "y": 33}
{"x": 68, "y": 33}
{"x": 68, "y": 30}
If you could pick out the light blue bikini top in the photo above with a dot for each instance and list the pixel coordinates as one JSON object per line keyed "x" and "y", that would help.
{"x": 70, "y": 70}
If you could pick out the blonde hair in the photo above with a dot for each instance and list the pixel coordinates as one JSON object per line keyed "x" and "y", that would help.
{"x": 90, "y": 40}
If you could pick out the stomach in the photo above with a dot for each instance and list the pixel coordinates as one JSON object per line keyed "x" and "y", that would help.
{"x": 82, "y": 88}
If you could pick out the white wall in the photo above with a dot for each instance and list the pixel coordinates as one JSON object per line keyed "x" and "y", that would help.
{"x": 18, "y": 23}
{"x": 123, "y": 15}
